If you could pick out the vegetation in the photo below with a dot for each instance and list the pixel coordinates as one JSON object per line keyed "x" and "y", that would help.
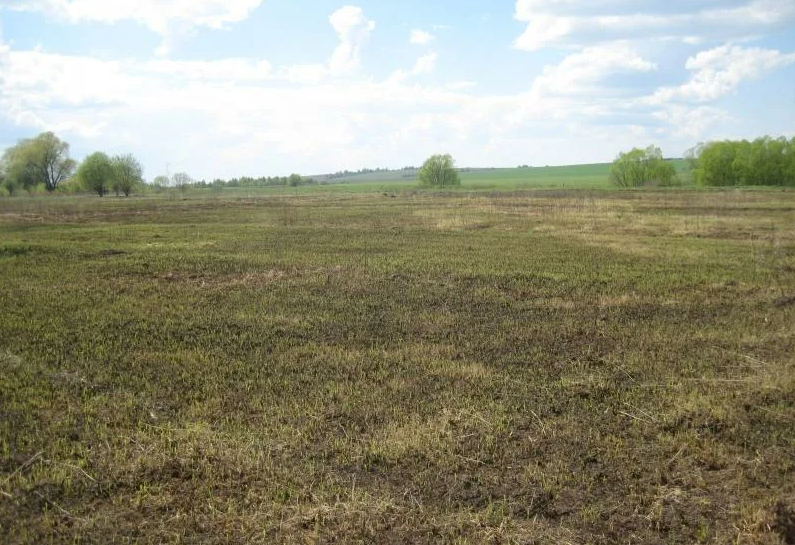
{"x": 765, "y": 161}
{"x": 41, "y": 160}
{"x": 127, "y": 174}
{"x": 439, "y": 171}
{"x": 96, "y": 173}
{"x": 523, "y": 367}
{"x": 641, "y": 167}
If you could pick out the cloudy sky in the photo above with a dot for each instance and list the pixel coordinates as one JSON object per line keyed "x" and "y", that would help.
{"x": 223, "y": 88}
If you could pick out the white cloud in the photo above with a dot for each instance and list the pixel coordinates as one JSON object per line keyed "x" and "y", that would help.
{"x": 254, "y": 114}
{"x": 425, "y": 64}
{"x": 580, "y": 72}
{"x": 242, "y": 115}
{"x": 565, "y": 21}
{"x": 157, "y": 15}
{"x": 304, "y": 73}
{"x": 226, "y": 70}
{"x": 719, "y": 71}
{"x": 168, "y": 18}
{"x": 689, "y": 122}
{"x": 421, "y": 37}
{"x": 354, "y": 31}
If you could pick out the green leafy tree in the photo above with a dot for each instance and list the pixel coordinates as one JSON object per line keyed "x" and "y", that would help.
{"x": 439, "y": 171}
{"x": 96, "y": 173}
{"x": 127, "y": 174}
{"x": 640, "y": 167}
{"x": 294, "y": 180}
{"x": 41, "y": 160}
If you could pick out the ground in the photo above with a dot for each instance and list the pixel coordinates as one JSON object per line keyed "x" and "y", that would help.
{"x": 403, "y": 367}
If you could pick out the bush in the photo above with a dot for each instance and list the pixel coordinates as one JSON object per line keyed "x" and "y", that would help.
{"x": 439, "y": 171}
{"x": 641, "y": 167}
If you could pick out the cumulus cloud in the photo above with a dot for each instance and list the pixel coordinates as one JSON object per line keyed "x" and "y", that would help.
{"x": 168, "y": 18}
{"x": 420, "y": 37}
{"x": 580, "y": 72}
{"x": 558, "y": 22}
{"x": 331, "y": 114}
{"x": 354, "y": 31}
{"x": 719, "y": 71}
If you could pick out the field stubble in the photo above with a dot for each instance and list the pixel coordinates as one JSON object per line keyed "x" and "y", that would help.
{"x": 540, "y": 367}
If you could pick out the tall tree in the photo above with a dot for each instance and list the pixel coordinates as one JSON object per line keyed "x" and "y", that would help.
{"x": 54, "y": 163}
{"x": 41, "y": 160}
{"x": 19, "y": 165}
{"x": 127, "y": 173}
{"x": 96, "y": 173}
{"x": 182, "y": 180}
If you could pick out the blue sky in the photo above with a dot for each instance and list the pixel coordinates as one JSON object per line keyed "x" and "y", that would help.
{"x": 222, "y": 88}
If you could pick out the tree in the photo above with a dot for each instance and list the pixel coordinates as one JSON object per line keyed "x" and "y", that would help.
{"x": 41, "y": 160}
{"x": 96, "y": 173}
{"x": 161, "y": 181}
{"x": 182, "y": 180}
{"x": 640, "y": 167}
{"x": 127, "y": 173}
{"x": 789, "y": 169}
{"x": 6, "y": 182}
{"x": 294, "y": 180}
{"x": 439, "y": 171}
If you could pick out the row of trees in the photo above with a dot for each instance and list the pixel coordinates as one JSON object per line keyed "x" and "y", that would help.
{"x": 765, "y": 161}
{"x": 44, "y": 161}
{"x": 293, "y": 180}
{"x": 101, "y": 174}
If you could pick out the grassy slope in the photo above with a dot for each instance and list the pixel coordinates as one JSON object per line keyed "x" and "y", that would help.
{"x": 534, "y": 368}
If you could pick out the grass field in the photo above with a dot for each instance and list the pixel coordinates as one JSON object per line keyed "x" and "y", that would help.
{"x": 594, "y": 176}
{"x": 506, "y": 367}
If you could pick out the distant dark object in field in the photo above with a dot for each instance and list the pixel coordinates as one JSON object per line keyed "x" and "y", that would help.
{"x": 110, "y": 253}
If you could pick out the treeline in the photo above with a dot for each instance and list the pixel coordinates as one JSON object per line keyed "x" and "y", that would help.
{"x": 765, "y": 161}
{"x": 347, "y": 173}
{"x": 42, "y": 164}
{"x": 293, "y": 180}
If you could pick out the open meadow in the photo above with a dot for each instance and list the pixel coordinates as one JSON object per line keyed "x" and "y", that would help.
{"x": 549, "y": 366}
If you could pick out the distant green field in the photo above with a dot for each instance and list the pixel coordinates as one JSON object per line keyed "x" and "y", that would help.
{"x": 593, "y": 176}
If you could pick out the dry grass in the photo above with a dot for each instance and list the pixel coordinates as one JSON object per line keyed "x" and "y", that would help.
{"x": 540, "y": 367}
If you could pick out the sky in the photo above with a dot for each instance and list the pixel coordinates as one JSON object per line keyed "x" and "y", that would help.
{"x": 227, "y": 88}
